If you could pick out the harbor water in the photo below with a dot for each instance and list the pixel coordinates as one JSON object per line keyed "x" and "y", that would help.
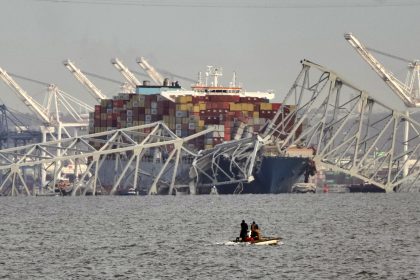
{"x": 325, "y": 236}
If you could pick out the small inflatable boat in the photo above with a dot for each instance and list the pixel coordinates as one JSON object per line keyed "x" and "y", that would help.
{"x": 262, "y": 241}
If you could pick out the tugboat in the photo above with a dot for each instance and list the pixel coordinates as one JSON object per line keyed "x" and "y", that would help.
{"x": 304, "y": 188}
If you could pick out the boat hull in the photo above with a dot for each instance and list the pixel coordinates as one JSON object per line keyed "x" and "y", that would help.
{"x": 276, "y": 174}
{"x": 365, "y": 188}
{"x": 263, "y": 241}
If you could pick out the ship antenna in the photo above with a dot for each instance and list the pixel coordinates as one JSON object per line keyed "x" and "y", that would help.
{"x": 209, "y": 67}
{"x": 234, "y": 79}
{"x": 200, "y": 78}
{"x": 217, "y": 71}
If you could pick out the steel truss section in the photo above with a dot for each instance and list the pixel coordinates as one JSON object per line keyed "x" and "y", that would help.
{"x": 148, "y": 158}
{"x": 228, "y": 163}
{"x": 351, "y": 132}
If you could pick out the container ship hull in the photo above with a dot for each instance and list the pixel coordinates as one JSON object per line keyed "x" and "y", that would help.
{"x": 276, "y": 174}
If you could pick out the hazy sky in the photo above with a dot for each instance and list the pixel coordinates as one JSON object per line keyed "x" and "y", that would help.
{"x": 263, "y": 41}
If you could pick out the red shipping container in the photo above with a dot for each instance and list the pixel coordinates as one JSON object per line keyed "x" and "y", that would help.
{"x": 276, "y": 106}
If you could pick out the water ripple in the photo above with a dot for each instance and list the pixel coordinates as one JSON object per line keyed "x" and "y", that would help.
{"x": 326, "y": 236}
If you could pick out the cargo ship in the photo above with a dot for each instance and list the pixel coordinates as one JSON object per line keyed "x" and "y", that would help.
{"x": 230, "y": 111}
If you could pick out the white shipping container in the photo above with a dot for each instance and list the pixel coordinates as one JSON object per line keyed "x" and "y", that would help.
{"x": 218, "y": 134}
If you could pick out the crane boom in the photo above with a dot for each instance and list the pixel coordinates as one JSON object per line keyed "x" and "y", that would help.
{"x": 150, "y": 70}
{"x": 127, "y": 74}
{"x": 405, "y": 92}
{"x": 95, "y": 92}
{"x": 34, "y": 106}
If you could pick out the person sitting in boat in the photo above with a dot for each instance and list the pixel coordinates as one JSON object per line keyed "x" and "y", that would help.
{"x": 244, "y": 230}
{"x": 256, "y": 233}
{"x": 253, "y": 229}
{"x": 253, "y": 226}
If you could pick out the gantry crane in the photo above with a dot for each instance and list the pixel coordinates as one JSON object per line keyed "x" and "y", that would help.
{"x": 58, "y": 103}
{"x": 50, "y": 114}
{"x": 127, "y": 74}
{"x": 22, "y": 133}
{"x": 93, "y": 90}
{"x": 408, "y": 91}
{"x": 150, "y": 70}
{"x": 33, "y": 105}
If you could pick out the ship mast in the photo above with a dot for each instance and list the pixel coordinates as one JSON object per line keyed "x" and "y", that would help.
{"x": 215, "y": 72}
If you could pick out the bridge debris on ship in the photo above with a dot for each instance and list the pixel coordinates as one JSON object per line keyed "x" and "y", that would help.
{"x": 340, "y": 125}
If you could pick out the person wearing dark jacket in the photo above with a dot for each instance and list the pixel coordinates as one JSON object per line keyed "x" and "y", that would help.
{"x": 244, "y": 230}
{"x": 253, "y": 226}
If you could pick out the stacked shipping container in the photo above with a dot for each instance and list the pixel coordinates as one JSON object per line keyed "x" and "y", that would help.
{"x": 230, "y": 116}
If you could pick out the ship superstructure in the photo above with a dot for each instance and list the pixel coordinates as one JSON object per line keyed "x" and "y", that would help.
{"x": 210, "y": 85}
